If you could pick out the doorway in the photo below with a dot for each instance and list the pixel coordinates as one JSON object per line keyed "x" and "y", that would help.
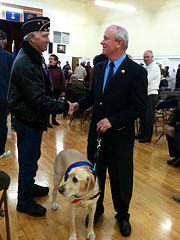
{"x": 14, "y": 32}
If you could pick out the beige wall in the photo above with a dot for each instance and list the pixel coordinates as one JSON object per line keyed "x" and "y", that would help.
{"x": 154, "y": 26}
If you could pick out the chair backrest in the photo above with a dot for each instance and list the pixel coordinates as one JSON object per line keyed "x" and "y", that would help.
{"x": 163, "y": 94}
{"x": 75, "y": 96}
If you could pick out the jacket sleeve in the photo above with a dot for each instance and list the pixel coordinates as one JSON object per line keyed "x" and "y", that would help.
{"x": 32, "y": 86}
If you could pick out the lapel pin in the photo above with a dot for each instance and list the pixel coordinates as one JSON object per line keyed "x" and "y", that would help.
{"x": 123, "y": 71}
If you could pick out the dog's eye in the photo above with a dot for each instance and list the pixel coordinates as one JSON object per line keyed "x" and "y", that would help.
{"x": 75, "y": 180}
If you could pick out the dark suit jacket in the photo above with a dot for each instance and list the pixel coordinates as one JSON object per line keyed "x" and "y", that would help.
{"x": 123, "y": 101}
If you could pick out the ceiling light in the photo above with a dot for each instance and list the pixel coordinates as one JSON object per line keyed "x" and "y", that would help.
{"x": 122, "y": 7}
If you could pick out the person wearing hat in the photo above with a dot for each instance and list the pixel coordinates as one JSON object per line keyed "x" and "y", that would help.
{"x": 30, "y": 103}
{"x": 6, "y": 61}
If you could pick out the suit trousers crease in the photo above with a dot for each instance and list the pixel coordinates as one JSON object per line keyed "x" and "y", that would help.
{"x": 120, "y": 169}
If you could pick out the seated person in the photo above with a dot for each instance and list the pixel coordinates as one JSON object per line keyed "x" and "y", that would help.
{"x": 173, "y": 137}
{"x": 163, "y": 83}
{"x": 172, "y": 132}
{"x": 4, "y": 181}
{"x": 73, "y": 86}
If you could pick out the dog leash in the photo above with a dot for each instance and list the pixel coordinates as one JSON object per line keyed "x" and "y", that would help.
{"x": 96, "y": 156}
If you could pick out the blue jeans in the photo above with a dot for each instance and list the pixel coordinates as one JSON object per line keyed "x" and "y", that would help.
{"x": 3, "y": 124}
{"x": 29, "y": 151}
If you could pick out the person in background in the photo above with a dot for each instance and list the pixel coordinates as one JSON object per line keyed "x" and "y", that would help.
{"x": 59, "y": 64}
{"x": 178, "y": 77}
{"x": 6, "y": 61}
{"x": 162, "y": 70}
{"x": 147, "y": 119}
{"x": 118, "y": 95}
{"x": 87, "y": 77}
{"x": 66, "y": 68}
{"x": 166, "y": 71}
{"x": 80, "y": 71}
{"x": 30, "y": 103}
{"x": 172, "y": 132}
{"x": 73, "y": 86}
{"x": 97, "y": 59}
{"x": 4, "y": 180}
{"x": 58, "y": 81}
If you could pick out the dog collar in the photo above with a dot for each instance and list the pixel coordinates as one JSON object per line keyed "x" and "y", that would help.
{"x": 79, "y": 199}
{"x": 77, "y": 164}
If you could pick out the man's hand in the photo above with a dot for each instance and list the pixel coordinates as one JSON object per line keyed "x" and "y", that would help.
{"x": 73, "y": 107}
{"x": 103, "y": 125}
{"x": 169, "y": 130}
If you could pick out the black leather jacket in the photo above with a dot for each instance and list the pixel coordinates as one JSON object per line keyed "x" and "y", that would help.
{"x": 29, "y": 92}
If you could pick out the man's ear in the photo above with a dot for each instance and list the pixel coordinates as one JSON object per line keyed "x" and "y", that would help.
{"x": 32, "y": 37}
{"x": 119, "y": 43}
{"x": 4, "y": 44}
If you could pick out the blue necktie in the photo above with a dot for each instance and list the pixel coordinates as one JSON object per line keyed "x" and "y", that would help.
{"x": 110, "y": 75}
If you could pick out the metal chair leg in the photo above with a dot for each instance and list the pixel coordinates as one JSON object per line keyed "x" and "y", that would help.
{"x": 4, "y": 199}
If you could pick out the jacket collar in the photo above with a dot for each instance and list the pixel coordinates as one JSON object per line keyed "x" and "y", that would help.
{"x": 32, "y": 52}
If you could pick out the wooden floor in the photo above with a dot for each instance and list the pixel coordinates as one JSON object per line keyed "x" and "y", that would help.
{"x": 154, "y": 215}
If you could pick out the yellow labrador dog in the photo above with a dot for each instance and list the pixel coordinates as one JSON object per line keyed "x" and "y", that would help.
{"x": 80, "y": 185}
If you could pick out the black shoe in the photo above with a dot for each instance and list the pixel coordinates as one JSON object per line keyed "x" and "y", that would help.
{"x": 145, "y": 140}
{"x": 139, "y": 136}
{"x": 96, "y": 217}
{"x": 49, "y": 125}
{"x": 34, "y": 209}
{"x": 172, "y": 162}
{"x": 40, "y": 191}
{"x": 55, "y": 123}
{"x": 124, "y": 226}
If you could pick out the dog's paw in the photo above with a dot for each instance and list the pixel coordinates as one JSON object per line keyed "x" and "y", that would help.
{"x": 54, "y": 205}
{"x": 90, "y": 236}
{"x": 73, "y": 237}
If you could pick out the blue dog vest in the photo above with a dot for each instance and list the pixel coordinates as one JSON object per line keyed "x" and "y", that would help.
{"x": 77, "y": 164}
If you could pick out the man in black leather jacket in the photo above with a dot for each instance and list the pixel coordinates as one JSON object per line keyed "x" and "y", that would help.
{"x": 30, "y": 103}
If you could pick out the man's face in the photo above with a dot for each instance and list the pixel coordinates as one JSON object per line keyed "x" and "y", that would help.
{"x": 109, "y": 43}
{"x": 40, "y": 42}
{"x": 147, "y": 58}
{"x": 52, "y": 61}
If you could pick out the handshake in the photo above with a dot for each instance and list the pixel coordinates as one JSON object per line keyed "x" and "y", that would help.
{"x": 73, "y": 107}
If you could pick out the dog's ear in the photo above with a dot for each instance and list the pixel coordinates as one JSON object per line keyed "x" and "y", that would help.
{"x": 90, "y": 182}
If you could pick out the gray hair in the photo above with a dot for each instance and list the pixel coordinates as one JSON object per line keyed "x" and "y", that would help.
{"x": 27, "y": 38}
{"x": 151, "y": 53}
{"x": 2, "y": 42}
{"x": 73, "y": 77}
{"x": 121, "y": 33}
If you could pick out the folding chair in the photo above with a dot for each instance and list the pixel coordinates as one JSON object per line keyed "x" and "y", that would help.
{"x": 4, "y": 212}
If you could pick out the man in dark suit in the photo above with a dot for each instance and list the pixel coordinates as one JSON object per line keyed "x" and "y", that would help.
{"x": 116, "y": 105}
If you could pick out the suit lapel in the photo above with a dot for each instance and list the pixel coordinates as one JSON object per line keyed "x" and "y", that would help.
{"x": 120, "y": 74}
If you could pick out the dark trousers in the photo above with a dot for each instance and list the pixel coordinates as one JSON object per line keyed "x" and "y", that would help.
{"x": 147, "y": 119}
{"x": 4, "y": 180}
{"x": 3, "y": 124}
{"x": 173, "y": 152}
{"x": 29, "y": 151}
{"x": 120, "y": 168}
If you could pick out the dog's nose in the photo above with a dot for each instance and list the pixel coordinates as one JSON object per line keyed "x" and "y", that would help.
{"x": 61, "y": 189}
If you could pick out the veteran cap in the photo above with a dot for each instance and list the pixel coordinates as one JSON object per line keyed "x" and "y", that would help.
{"x": 3, "y": 35}
{"x": 36, "y": 24}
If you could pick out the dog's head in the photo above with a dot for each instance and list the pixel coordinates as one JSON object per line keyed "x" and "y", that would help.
{"x": 79, "y": 183}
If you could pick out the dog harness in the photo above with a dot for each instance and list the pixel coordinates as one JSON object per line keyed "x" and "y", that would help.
{"x": 77, "y": 164}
